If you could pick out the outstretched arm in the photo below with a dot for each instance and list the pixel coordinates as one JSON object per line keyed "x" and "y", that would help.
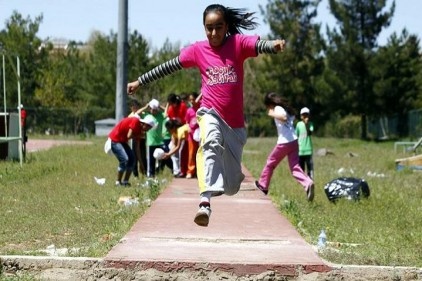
{"x": 158, "y": 72}
{"x": 270, "y": 46}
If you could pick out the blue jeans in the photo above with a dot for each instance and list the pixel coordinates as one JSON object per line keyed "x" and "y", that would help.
{"x": 124, "y": 155}
{"x": 151, "y": 169}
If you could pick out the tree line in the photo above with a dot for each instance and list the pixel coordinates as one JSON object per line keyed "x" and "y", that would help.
{"x": 341, "y": 74}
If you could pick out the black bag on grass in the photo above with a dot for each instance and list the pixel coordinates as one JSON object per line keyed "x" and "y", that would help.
{"x": 349, "y": 188}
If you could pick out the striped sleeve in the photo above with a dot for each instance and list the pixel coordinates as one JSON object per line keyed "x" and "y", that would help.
{"x": 158, "y": 72}
{"x": 265, "y": 47}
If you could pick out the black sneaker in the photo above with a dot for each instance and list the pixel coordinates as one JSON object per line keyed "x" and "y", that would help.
{"x": 202, "y": 217}
{"x": 125, "y": 184}
{"x": 310, "y": 193}
{"x": 260, "y": 187}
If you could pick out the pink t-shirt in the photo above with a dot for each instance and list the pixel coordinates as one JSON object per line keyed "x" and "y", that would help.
{"x": 191, "y": 121}
{"x": 222, "y": 74}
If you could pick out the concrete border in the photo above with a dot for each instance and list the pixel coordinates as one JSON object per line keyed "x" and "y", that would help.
{"x": 83, "y": 268}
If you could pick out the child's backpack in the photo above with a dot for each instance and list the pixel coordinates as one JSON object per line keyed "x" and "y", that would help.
{"x": 349, "y": 188}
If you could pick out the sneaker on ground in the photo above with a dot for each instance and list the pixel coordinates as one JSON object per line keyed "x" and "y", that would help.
{"x": 310, "y": 192}
{"x": 126, "y": 184}
{"x": 202, "y": 217}
{"x": 260, "y": 187}
{"x": 118, "y": 183}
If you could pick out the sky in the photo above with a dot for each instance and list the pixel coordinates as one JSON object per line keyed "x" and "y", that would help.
{"x": 177, "y": 21}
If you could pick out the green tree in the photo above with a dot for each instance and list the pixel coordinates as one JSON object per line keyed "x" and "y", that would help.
{"x": 295, "y": 72}
{"x": 19, "y": 39}
{"x": 139, "y": 60}
{"x": 63, "y": 88}
{"x": 396, "y": 69}
{"x": 184, "y": 81}
{"x": 101, "y": 56}
{"x": 350, "y": 50}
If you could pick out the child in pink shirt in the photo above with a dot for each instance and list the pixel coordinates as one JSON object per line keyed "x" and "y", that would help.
{"x": 222, "y": 130}
{"x": 193, "y": 144}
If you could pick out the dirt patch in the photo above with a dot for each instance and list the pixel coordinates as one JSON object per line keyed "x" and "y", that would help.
{"x": 34, "y": 145}
{"x": 47, "y": 268}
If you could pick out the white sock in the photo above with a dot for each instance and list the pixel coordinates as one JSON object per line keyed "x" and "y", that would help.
{"x": 206, "y": 196}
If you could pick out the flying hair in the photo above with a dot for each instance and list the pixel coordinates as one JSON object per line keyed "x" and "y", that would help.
{"x": 236, "y": 19}
{"x": 273, "y": 99}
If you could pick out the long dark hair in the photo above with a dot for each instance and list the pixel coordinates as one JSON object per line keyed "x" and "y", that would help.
{"x": 236, "y": 19}
{"x": 273, "y": 99}
{"x": 172, "y": 124}
{"x": 174, "y": 99}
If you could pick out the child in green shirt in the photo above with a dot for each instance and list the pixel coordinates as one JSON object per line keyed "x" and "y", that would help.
{"x": 304, "y": 130}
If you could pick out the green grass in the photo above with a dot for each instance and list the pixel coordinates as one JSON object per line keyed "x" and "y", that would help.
{"x": 387, "y": 227}
{"x": 53, "y": 199}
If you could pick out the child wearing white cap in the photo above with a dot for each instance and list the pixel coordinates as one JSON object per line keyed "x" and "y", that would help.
{"x": 304, "y": 130}
{"x": 155, "y": 138}
{"x": 128, "y": 128}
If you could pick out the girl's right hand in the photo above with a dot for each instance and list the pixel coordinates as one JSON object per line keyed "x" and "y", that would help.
{"x": 132, "y": 87}
{"x": 165, "y": 156}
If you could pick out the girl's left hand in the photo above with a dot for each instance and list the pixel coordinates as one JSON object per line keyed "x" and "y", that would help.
{"x": 279, "y": 45}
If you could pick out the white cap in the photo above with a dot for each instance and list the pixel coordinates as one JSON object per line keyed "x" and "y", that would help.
{"x": 149, "y": 120}
{"x": 154, "y": 104}
{"x": 158, "y": 153}
{"x": 304, "y": 110}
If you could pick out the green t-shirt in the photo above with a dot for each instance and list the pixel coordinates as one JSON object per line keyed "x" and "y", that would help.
{"x": 155, "y": 134}
{"x": 166, "y": 133}
{"x": 304, "y": 140}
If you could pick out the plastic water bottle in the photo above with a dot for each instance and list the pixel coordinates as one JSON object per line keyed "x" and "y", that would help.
{"x": 322, "y": 239}
{"x": 131, "y": 202}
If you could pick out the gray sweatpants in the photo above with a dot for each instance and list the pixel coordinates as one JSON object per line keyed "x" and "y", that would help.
{"x": 219, "y": 155}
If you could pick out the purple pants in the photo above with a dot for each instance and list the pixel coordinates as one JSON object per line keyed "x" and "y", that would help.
{"x": 291, "y": 150}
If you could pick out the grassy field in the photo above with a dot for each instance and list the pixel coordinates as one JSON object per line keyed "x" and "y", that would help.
{"x": 385, "y": 229}
{"x": 54, "y": 200}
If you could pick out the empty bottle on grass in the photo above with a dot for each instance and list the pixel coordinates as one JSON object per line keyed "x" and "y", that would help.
{"x": 131, "y": 202}
{"x": 322, "y": 239}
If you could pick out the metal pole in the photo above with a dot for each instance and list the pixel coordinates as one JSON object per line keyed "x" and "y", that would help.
{"x": 4, "y": 97}
{"x": 121, "y": 71}
{"x": 19, "y": 111}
